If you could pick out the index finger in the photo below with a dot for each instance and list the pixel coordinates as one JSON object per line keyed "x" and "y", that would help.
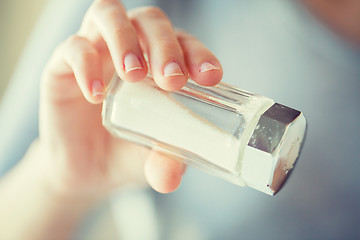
{"x": 110, "y": 20}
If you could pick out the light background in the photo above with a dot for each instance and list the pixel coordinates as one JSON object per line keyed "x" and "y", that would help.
{"x": 280, "y": 53}
{"x": 17, "y": 18}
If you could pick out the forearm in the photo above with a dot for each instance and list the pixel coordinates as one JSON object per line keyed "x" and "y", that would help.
{"x": 31, "y": 209}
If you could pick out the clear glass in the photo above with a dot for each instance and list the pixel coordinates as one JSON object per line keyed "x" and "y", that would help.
{"x": 206, "y": 127}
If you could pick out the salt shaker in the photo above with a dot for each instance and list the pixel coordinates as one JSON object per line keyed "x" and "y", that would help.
{"x": 242, "y": 137}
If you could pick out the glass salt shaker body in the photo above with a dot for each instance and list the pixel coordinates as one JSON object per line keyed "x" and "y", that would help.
{"x": 242, "y": 137}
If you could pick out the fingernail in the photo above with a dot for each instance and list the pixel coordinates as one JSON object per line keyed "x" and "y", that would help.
{"x": 206, "y": 66}
{"x": 132, "y": 62}
{"x": 172, "y": 69}
{"x": 97, "y": 88}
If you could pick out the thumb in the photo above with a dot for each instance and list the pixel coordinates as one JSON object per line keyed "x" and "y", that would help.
{"x": 163, "y": 173}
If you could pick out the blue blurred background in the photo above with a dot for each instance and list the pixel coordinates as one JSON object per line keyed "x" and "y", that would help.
{"x": 274, "y": 48}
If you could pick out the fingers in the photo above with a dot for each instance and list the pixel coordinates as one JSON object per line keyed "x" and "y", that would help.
{"x": 171, "y": 55}
{"x": 163, "y": 173}
{"x": 114, "y": 27}
{"x": 109, "y": 38}
{"x": 165, "y": 54}
{"x": 76, "y": 58}
{"x": 84, "y": 60}
{"x": 203, "y": 66}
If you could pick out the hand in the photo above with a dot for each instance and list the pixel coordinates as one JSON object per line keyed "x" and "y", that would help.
{"x": 77, "y": 153}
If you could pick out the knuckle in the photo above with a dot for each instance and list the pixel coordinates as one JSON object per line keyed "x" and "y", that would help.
{"x": 105, "y": 7}
{"x": 77, "y": 50}
{"x": 81, "y": 57}
{"x": 167, "y": 43}
{"x": 103, "y": 3}
{"x": 73, "y": 40}
{"x": 154, "y": 12}
{"x": 184, "y": 36}
{"x": 111, "y": 13}
{"x": 122, "y": 30}
{"x": 149, "y": 12}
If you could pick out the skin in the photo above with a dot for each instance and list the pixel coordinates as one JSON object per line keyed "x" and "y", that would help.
{"x": 75, "y": 162}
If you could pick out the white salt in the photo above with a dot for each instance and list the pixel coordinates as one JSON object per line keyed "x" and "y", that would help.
{"x": 152, "y": 112}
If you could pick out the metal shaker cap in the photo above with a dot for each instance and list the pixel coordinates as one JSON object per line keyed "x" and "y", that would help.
{"x": 273, "y": 148}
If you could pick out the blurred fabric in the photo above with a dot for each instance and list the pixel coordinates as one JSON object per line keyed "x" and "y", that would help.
{"x": 274, "y": 48}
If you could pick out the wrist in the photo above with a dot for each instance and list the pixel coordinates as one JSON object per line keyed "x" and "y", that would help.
{"x": 40, "y": 210}
{"x": 50, "y": 177}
